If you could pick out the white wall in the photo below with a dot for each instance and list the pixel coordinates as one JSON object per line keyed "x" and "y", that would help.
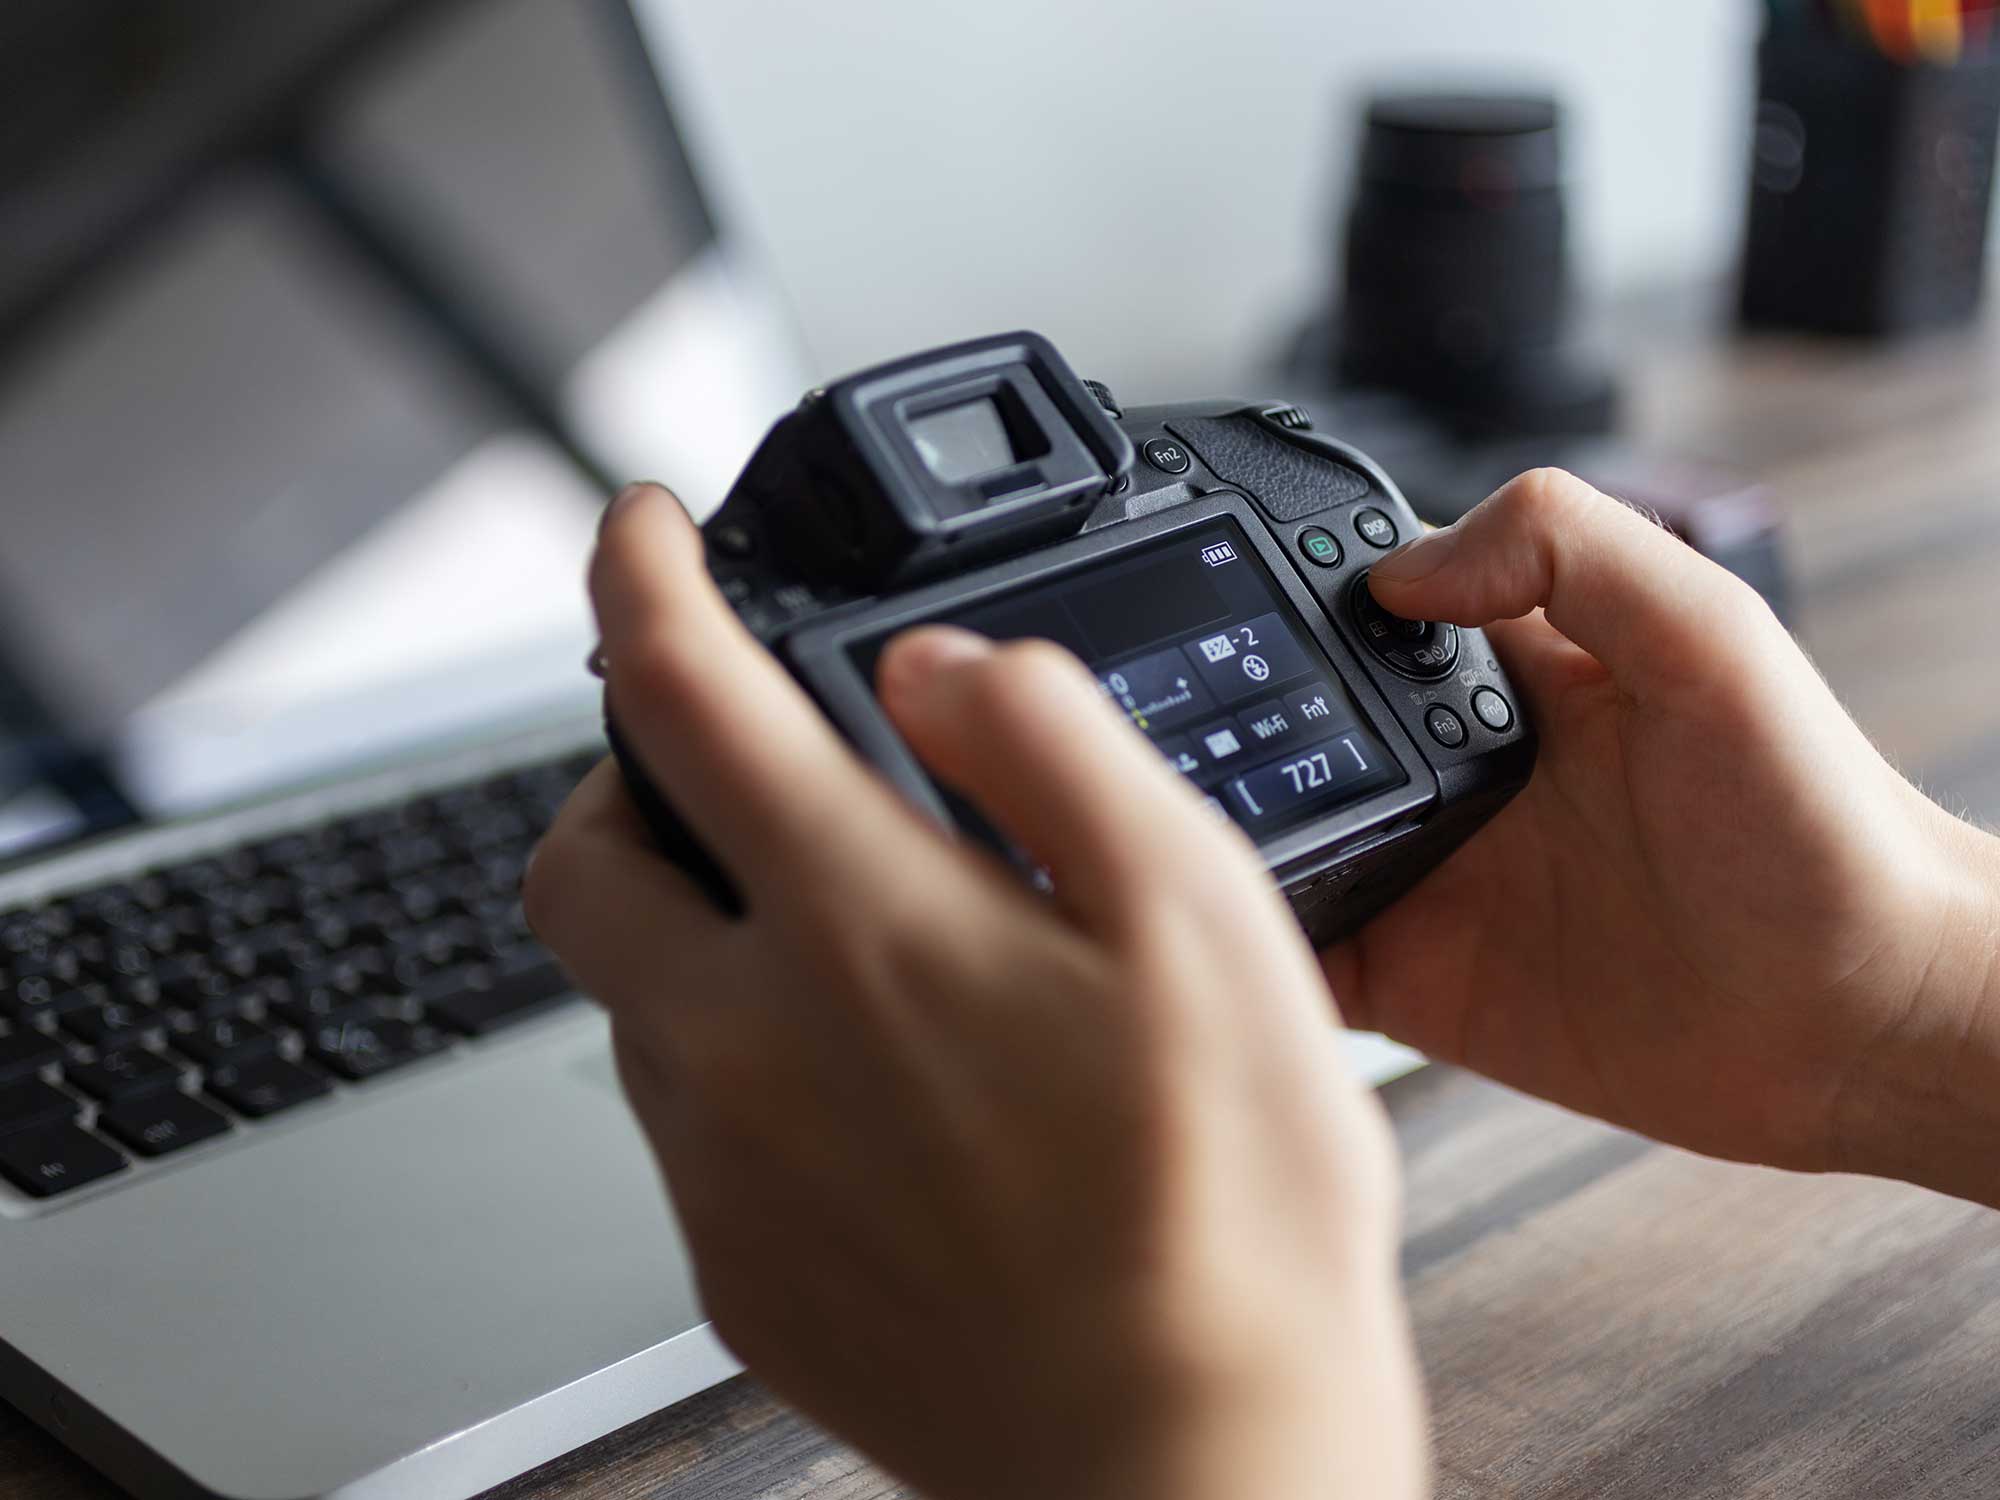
{"x": 1149, "y": 181}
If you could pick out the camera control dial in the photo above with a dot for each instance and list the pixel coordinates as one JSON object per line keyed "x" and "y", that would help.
{"x": 1423, "y": 649}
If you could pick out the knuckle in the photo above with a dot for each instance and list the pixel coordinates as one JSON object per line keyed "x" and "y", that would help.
{"x": 1542, "y": 498}
{"x": 1737, "y": 611}
{"x": 896, "y": 950}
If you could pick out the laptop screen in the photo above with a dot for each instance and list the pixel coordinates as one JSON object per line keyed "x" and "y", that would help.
{"x": 324, "y": 328}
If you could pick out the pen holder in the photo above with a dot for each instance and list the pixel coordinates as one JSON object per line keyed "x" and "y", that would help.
{"x": 1871, "y": 188}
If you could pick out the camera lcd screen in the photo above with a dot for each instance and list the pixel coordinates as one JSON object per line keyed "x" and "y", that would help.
{"x": 964, "y": 441}
{"x": 1191, "y": 638}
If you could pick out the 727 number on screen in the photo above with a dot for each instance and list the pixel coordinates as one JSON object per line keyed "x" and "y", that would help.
{"x": 1311, "y": 772}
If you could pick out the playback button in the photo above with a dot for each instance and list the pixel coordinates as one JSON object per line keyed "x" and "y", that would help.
{"x": 1320, "y": 546}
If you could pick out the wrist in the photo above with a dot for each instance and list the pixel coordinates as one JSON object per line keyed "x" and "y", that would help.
{"x": 1337, "y": 1414}
{"x": 1930, "y": 1113}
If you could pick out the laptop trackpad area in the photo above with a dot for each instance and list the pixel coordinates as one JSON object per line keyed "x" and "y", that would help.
{"x": 335, "y": 1292}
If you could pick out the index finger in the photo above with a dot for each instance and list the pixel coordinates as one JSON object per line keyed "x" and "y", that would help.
{"x": 1658, "y": 615}
{"x": 732, "y": 744}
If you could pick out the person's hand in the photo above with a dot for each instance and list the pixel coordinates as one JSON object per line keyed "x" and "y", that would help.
{"x": 1716, "y": 914}
{"x": 1023, "y": 1195}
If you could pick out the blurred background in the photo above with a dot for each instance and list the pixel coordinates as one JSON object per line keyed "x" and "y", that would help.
{"x": 1157, "y": 184}
{"x": 326, "y": 326}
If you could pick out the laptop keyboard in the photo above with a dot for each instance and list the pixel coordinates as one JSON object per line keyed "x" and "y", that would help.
{"x": 142, "y": 1017}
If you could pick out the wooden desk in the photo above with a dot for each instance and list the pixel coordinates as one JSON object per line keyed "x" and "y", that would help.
{"x": 1602, "y": 1318}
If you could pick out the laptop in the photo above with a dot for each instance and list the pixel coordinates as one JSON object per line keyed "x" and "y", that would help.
{"x": 322, "y": 328}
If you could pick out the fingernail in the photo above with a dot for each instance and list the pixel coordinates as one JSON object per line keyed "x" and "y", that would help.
{"x": 1419, "y": 559}
{"x": 622, "y": 499}
{"x": 913, "y": 659}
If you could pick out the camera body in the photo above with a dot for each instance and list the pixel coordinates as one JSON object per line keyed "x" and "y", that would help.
{"x": 1207, "y": 561}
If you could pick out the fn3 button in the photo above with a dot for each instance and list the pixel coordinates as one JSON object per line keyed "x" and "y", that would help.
{"x": 1446, "y": 727}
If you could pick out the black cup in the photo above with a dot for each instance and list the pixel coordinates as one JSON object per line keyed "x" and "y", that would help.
{"x": 1871, "y": 186}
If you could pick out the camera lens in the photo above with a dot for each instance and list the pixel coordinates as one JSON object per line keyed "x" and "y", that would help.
{"x": 1456, "y": 276}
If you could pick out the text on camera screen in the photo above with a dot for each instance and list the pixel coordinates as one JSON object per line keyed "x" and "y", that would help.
{"x": 1191, "y": 639}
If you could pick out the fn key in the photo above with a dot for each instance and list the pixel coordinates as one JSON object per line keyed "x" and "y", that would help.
{"x": 55, "y": 1159}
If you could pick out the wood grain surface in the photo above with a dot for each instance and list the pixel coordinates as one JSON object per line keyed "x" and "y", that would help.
{"x": 1601, "y": 1318}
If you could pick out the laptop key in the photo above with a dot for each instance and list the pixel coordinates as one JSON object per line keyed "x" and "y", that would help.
{"x": 362, "y": 1046}
{"x": 323, "y": 932}
{"x": 124, "y": 1072}
{"x": 479, "y": 998}
{"x": 211, "y": 1006}
{"x": 26, "y": 1053}
{"x": 193, "y": 984}
{"x": 354, "y": 971}
{"x": 32, "y": 1104}
{"x": 265, "y": 1086}
{"x": 225, "y": 1040}
{"x": 27, "y": 999}
{"x": 157, "y": 1123}
{"x": 111, "y": 1025}
{"x": 55, "y": 1159}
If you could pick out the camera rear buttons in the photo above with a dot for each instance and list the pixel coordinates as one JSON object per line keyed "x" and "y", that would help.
{"x": 1422, "y": 649}
{"x": 1167, "y": 456}
{"x": 731, "y": 540}
{"x": 1445, "y": 726}
{"x": 1493, "y": 710}
{"x": 1318, "y": 545}
{"x": 1375, "y": 528}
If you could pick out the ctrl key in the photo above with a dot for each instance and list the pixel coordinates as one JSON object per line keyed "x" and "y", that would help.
{"x": 54, "y": 1159}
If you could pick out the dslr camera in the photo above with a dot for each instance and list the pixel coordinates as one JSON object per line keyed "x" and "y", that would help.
{"x": 1208, "y": 562}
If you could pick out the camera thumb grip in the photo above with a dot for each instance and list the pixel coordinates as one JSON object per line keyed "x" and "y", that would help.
{"x": 676, "y": 842}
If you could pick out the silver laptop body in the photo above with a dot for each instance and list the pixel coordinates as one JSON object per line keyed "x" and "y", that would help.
{"x": 418, "y": 1287}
